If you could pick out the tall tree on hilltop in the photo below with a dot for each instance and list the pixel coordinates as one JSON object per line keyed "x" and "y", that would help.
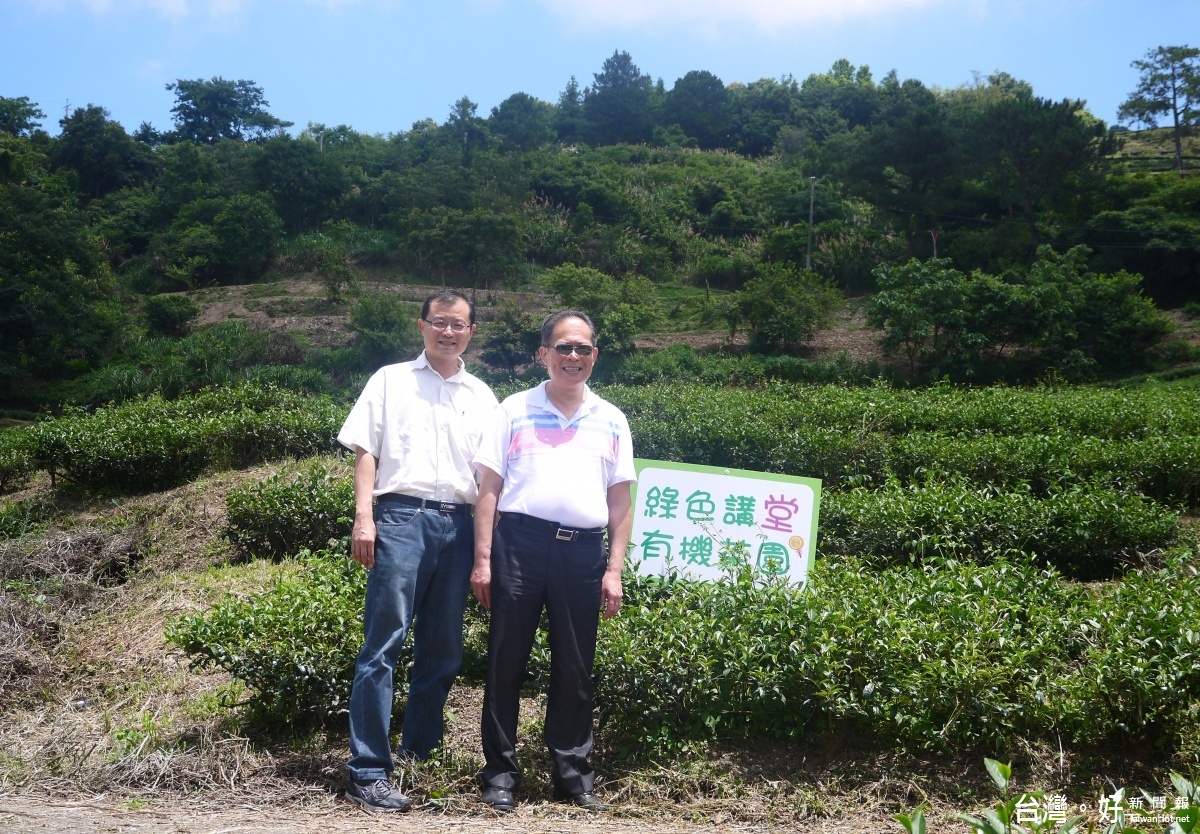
{"x": 699, "y": 104}
{"x": 19, "y": 116}
{"x": 100, "y": 152}
{"x": 523, "y": 122}
{"x": 1034, "y": 150}
{"x": 1169, "y": 85}
{"x": 568, "y": 116}
{"x": 206, "y": 111}
{"x": 618, "y": 106}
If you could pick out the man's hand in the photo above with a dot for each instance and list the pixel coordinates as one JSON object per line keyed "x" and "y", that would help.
{"x": 481, "y": 580}
{"x": 362, "y": 541}
{"x": 610, "y": 593}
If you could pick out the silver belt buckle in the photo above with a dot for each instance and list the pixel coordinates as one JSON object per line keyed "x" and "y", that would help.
{"x": 565, "y": 535}
{"x": 446, "y": 507}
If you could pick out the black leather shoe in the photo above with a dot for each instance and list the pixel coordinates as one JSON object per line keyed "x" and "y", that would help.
{"x": 589, "y": 802}
{"x": 501, "y": 799}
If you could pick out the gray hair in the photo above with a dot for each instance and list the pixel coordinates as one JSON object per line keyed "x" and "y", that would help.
{"x": 554, "y": 319}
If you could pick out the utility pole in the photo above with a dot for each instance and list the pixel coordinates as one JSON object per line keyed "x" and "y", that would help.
{"x": 812, "y": 185}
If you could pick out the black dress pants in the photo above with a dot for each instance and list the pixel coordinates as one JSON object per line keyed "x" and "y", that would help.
{"x": 533, "y": 567}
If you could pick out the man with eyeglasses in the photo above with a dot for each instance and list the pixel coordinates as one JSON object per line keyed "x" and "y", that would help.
{"x": 556, "y": 463}
{"x": 414, "y": 429}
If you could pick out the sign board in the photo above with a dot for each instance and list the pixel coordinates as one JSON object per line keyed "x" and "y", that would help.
{"x": 685, "y": 515}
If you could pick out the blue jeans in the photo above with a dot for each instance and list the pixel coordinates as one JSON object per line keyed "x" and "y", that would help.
{"x": 421, "y": 579}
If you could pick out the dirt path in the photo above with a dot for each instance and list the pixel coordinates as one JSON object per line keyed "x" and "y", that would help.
{"x": 26, "y": 815}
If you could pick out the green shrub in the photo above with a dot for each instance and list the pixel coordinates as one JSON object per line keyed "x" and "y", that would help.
{"x": 294, "y": 644}
{"x": 219, "y": 355}
{"x": 940, "y": 656}
{"x": 1138, "y": 676}
{"x": 681, "y": 363}
{"x": 1164, "y": 468}
{"x": 1086, "y": 534}
{"x": 946, "y": 655}
{"x": 386, "y": 328}
{"x": 16, "y": 458}
{"x": 169, "y": 315}
{"x": 284, "y": 514}
{"x": 153, "y": 443}
{"x": 782, "y": 307}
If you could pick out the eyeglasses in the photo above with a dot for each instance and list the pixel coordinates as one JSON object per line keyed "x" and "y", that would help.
{"x": 567, "y": 350}
{"x": 452, "y": 326}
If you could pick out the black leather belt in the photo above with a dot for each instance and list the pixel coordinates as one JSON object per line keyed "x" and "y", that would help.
{"x": 563, "y": 534}
{"x": 448, "y": 507}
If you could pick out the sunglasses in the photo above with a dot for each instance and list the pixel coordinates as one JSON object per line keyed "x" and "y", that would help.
{"x": 567, "y": 350}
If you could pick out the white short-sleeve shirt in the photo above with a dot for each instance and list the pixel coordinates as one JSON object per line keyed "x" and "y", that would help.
{"x": 422, "y": 429}
{"x": 554, "y": 467}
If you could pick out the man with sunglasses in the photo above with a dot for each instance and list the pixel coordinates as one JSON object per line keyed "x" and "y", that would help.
{"x": 414, "y": 429}
{"x": 556, "y": 463}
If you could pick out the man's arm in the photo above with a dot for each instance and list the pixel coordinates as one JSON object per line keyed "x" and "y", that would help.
{"x": 362, "y": 539}
{"x": 620, "y": 524}
{"x": 490, "y": 484}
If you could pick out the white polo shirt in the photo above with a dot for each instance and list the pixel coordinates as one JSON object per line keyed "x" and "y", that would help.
{"x": 555, "y": 467}
{"x": 423, "y": 429}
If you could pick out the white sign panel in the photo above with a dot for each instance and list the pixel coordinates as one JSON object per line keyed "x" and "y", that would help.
{"x": 686, "y": 516}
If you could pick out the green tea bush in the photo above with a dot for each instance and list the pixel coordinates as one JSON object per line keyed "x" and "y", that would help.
{"x": 294, "y": 644}
{"x": 156, "y": 444}
{"x": 16, "y": 458}
{"x": 930, "y": 657}
{"x": 1086, "y": 533}
{"x": 921, "y": 658}
{"x": 286, "y": 513}
{"x": 1164, "y": 468}
{"x": 1138, "y": 677}
{"x": 681, "y": 363}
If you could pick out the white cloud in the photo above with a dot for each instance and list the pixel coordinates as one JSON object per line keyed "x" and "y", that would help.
{"x": 767, "y": 15}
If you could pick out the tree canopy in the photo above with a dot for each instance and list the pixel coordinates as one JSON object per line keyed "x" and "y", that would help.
{"x": 1169, "y": 86}
{"x": 206, "y": 111}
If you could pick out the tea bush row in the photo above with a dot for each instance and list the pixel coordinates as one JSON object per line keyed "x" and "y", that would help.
{"x": 929, "y": 658}
{"x": 286, "y": 513}
{"x": 154, "y": 443}
{"x": 294, "y": 644}
{"x": 922, "y": 658}
{"x": 842, "y": 436}
{"x": 1086, "y": 534}
{"x": 1164, "y": 468}
{"x": 1125, "y": 413}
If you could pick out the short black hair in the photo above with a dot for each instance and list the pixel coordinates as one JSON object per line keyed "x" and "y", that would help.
{"x": 447, "y": 298}
{"x": 554, "y": 319}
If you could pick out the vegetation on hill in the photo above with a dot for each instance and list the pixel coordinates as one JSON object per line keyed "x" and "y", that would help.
{"x": 774, "y": 197}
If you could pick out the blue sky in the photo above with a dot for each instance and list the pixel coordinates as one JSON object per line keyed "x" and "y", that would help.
{"x": 380, "y": 65}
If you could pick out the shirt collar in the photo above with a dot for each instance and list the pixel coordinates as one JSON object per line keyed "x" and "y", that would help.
{"x": 537, "y": 397}
{"x": 422, "y": 361}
